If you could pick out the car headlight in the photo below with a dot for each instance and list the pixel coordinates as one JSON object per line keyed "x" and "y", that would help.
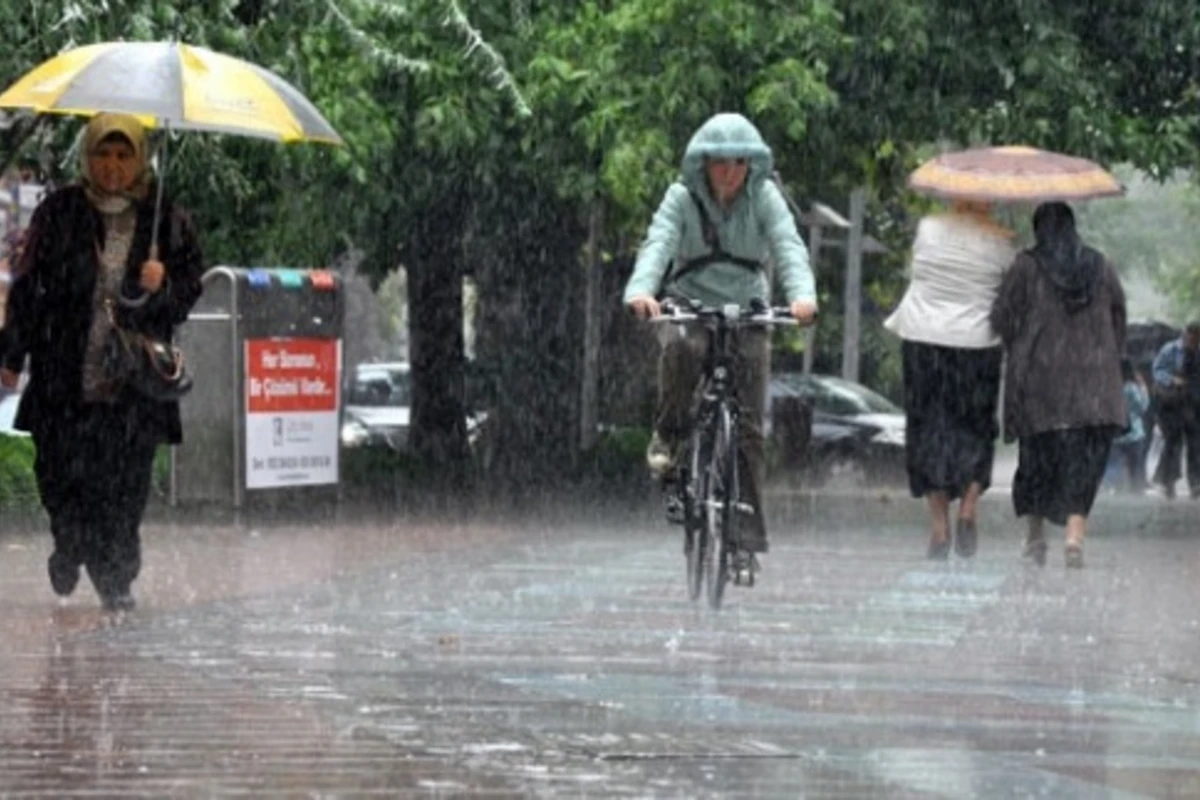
{"x": 354, "y": 433}
{"x": 889, "y": 436}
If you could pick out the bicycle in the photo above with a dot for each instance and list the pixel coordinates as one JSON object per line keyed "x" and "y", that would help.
{"x": 706, "y": 492}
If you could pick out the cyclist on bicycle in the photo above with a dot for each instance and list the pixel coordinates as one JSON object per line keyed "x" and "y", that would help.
{"x": 710, "y": 239}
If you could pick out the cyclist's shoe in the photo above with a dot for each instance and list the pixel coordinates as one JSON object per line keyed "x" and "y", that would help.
{"x": 660, "y": 458}
{"x": 675, "y": 511}
{"x": 745, "y": 568}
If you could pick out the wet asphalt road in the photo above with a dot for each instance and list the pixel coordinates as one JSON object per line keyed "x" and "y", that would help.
{"x": 556, "y": 655}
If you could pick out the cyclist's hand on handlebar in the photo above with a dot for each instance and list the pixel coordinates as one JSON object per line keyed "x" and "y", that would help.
{"x": 804, "y": 311}
{"x": 645, "y": 307}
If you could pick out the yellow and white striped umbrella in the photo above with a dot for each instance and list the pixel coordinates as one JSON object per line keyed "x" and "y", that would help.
{"x": 174, "y": 85}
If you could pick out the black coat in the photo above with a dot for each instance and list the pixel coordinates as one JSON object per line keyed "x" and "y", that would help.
{"x": 50, "y": 305}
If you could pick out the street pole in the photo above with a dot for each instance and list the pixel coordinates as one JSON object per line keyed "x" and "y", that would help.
{"x": 814, "y": 259}
{"x": 852, "y": 330}
{"x": 593, "y": 330}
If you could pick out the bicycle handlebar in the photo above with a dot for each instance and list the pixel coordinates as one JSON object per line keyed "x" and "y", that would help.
{"x": 731, "y": 314}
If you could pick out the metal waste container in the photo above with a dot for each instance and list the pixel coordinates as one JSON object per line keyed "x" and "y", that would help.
{"x": 265, "y": 348}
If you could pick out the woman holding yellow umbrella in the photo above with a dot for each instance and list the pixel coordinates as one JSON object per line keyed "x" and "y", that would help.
{"x": 100, "y": 258}
{"x": 91, "y": 245}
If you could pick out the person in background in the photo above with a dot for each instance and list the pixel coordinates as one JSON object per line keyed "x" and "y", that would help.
{"x": 1177, "y": 388}
{"x": 1129, "y": 448}
{"x": 952, "y": 361}
{"x": 89, "y": 251}
{"x": 1061, "y": 315}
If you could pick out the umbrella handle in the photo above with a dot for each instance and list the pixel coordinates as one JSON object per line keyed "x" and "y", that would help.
{"x": 133, "y": 302}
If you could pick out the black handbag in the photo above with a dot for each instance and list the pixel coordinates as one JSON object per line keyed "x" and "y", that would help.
{"x": 151, "y": 367}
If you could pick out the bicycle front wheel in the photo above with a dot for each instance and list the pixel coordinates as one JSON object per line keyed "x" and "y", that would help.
{"x": 720, "y": 498}
{"x": 697, "y": 542}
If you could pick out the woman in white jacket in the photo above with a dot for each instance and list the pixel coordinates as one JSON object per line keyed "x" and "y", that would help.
{"x": 952, "y": 361}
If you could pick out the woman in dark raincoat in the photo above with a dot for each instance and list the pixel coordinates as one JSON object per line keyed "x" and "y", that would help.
{"x": 96, "y": 441}
{"x": 1061, "y": 314}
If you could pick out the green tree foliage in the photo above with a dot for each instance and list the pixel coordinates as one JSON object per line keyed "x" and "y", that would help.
{"x": 1152, "y": 238}
{"x": 481, "y": 136}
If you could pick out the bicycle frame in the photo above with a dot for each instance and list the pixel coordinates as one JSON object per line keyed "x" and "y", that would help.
{"x": 708, "y": 484}
{"x": 716, "y": 414}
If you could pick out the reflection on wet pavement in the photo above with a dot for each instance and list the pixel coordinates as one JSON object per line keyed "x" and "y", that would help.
{"x": 562, "y": 659}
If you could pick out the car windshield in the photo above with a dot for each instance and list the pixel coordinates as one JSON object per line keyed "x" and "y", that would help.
{"x": 378, "y": 386}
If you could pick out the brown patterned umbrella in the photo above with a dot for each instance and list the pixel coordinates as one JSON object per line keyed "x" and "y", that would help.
{"x": 1013, "y": 174}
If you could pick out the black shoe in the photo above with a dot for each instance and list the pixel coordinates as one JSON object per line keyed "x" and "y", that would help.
{"x": 64, "y": 576}
{"x": 966, "y": 538}
{"x": 745, "y": 568}
{"x": 118, "y": 601}
{"x": 675, "y": 511}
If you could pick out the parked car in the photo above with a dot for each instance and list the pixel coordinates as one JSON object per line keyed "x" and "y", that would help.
{"x": 376, "y": 408}
{"x": 376, "y": 411}
{"x": 857, "y": 435}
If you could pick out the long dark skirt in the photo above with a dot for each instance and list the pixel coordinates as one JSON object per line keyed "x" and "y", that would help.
{"x": 1059, "y": 472}
{"x": 94, "y": 467}
{"x": 951, "y": 396}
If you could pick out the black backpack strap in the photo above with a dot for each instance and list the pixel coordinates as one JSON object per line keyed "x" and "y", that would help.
{"x": 716, "y": 254}
{"x": 708, "y": 231}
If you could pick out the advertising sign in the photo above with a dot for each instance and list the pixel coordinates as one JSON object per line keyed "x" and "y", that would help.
{"x": 292, "y": 426}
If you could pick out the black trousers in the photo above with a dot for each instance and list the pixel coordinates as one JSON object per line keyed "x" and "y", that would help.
{"x": 1181, "y": 429}
{"x": 94, "y": 468}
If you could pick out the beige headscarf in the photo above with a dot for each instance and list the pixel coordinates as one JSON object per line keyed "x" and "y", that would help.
{"x": 99, "y": 128}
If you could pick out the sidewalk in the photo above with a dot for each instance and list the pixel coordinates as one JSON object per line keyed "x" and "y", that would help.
{"x": 555, "y": 654}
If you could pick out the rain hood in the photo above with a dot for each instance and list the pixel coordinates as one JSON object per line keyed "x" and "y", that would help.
{"x": 757, "y": 227}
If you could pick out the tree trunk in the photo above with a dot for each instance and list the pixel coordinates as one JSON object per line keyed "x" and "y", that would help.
{"x": 530, "y": 341}
{"x": 437, "y": 424}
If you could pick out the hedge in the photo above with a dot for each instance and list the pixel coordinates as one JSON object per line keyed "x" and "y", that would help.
{"x": 18, "y": 487}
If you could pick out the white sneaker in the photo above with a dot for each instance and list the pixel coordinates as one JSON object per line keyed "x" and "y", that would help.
{"x": 659, "y": 458}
